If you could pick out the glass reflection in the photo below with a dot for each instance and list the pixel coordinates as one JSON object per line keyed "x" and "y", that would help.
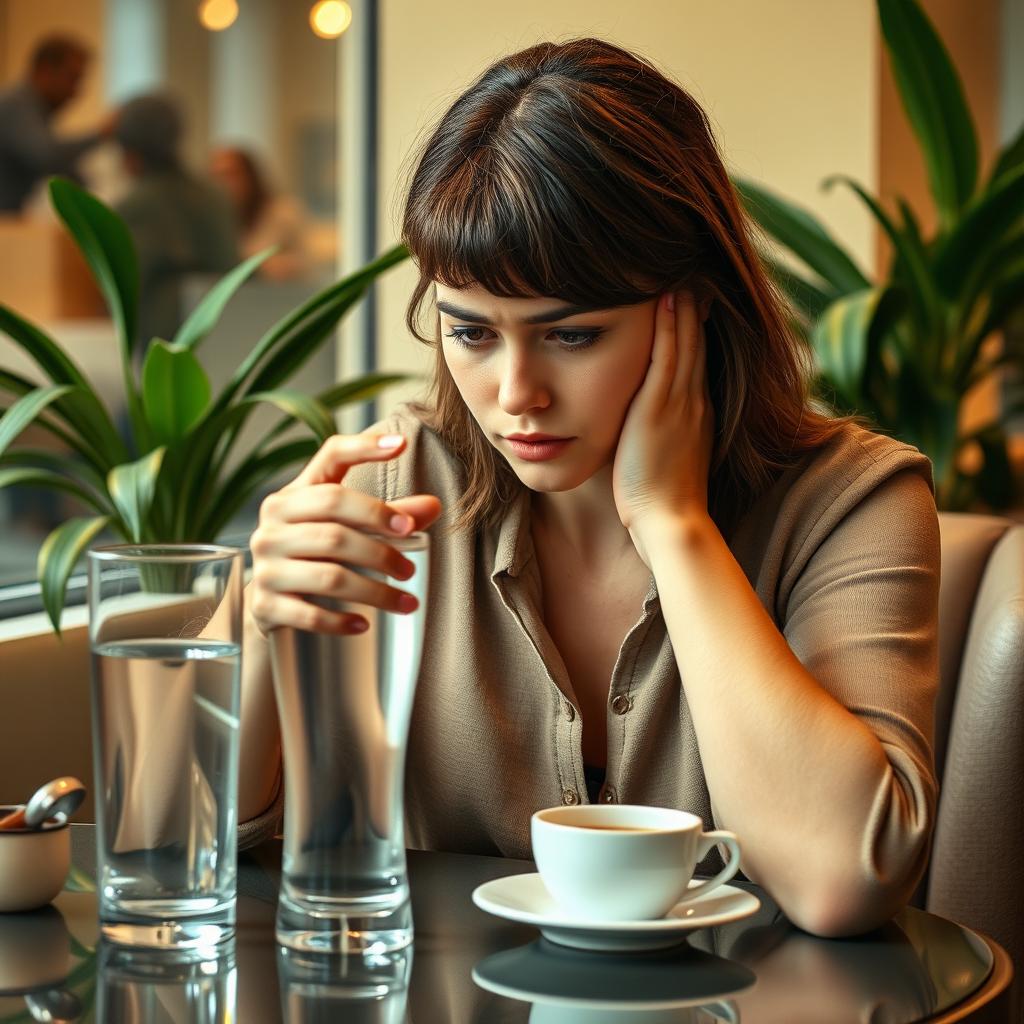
{"x": 317, "y": 988}
{"x": 571, "y": 986}
{"x": 139, "y": 986}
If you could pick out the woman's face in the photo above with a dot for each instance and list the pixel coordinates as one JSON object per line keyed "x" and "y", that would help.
{"x": 535, "y": 366}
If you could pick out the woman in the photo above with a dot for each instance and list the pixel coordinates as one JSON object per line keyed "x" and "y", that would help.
{"x": 264, "y": 217}
{"x": 662, "y": 576}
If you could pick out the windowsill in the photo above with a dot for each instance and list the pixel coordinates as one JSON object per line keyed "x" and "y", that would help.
{"x": 20, "y": 627}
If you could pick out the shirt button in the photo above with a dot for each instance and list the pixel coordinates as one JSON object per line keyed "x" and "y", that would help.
{"x": 621, "y": 704}
{"x": 570, "y": 712}
{"x": 570, "y": 797}
{"x": 608, "y": 796}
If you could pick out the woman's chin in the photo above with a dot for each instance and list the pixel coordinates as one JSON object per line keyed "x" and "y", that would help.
{"x": 548, "y": 478}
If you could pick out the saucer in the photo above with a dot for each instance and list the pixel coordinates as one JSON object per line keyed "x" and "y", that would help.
{"x": 524, "y": 898}
{"x": 550, "y": 975}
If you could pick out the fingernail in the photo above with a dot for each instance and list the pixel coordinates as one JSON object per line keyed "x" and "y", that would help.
{"x": 389, "y": 441}
{"x": 407, "y": 603}
{"x": 670, "y": 301}
{"x": 359, "y": 626}
{"x": 400, "y": 524}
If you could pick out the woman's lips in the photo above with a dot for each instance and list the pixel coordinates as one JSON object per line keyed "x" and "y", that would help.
{"x": 538, "y": 451}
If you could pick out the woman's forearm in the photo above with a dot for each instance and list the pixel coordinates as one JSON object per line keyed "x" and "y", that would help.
{"x": 799, "y": 777}
{"x": 260, "y": 746}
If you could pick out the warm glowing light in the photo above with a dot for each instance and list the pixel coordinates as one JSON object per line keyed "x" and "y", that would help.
{"x": 217, "y": 15}
{"x": 329, "y": 18}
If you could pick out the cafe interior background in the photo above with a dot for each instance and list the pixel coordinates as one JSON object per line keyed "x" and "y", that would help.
{"x": 797, "y": 91}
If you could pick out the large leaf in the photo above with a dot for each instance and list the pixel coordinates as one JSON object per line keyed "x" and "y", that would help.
{"x": 53, "y": 462}
{"x": 985, "y": 223}
{"x": 360, "y": 389}
{"x": 131, "y": 488}
{"x": 298, "y": 405}
{"x": 841, "y": 341}
{"x": 107, "y": 246}
{"x": 199, "y": 480}
{"x": 924, "y": 299}
{"x": 933, "y": 98}
{"x": 1011, "y": 157}
{"x": 334, "y": 294}
{"x": 58, "y": 556}
{"x": 82, "y": 410}
{"x": 50, "y": 357}
{"x": 175, "y": 391}
{"x": 204, "y": 317}
{"x": 26, "y": 409}
{"x": 302, "y": 343}
{"x": 245, "y": 480}
{"x": 28, "y": 476}
{"x": 800, "y": 231}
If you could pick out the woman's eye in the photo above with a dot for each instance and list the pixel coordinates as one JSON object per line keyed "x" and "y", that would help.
{"x": 572, "y": 341}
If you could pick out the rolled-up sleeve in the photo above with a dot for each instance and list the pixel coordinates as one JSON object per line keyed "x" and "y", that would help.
{"x": 862, "y": 618}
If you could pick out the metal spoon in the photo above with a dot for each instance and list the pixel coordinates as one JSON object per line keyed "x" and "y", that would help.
{"x": 57, "y": 799}
{"x": 54, "y": 1006}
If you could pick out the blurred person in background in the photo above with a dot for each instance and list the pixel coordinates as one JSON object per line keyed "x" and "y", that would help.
{"x": 30, "y": 150}
{"x": 180, "y": 223}
{"x": 265, "y": 217}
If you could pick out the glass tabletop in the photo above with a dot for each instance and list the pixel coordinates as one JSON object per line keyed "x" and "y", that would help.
{"x": 467, "y": 966}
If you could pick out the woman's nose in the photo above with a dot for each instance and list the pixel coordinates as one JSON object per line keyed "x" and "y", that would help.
{"x": 522, "y": 385}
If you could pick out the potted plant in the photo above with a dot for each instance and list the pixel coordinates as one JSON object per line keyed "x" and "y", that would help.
{"x": 177, "y": 477}
{"x": 906, "y": 349}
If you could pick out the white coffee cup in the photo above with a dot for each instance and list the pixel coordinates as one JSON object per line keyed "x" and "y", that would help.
{"x": 624, "y": 862}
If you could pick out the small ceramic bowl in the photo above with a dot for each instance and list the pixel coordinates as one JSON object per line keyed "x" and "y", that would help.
{"x": 33, "y": 864}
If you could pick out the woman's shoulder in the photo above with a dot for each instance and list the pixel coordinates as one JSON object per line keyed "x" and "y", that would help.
{"x": 427, "y": 466}
{"x": 855, "y": 461}
{"x": 886, "y": 481}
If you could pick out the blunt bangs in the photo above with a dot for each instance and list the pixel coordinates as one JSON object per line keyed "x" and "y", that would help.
{"x": 521, "y": 216}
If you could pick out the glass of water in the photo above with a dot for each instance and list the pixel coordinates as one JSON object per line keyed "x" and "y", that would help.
{"x": 344, "y": 704}
{"x": 145, "y": 986}
{"x": 165, "y": 627}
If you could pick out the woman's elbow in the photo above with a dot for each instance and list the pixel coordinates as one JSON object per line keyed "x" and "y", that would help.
{"x": 842, "y": 904}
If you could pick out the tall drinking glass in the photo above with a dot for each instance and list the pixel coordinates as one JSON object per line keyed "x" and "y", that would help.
{"x": 318, "y": 988}
{"x": 165, "y": 626}
{"x": 145, "y": 986}
{"x": 344, "y": 704}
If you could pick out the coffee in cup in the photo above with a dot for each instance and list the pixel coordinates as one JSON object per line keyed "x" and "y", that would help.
{"x": 624, "y": 862}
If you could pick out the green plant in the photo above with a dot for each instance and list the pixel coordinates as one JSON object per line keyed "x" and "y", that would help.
{"x": 906, "y": 350}
{"x": 173, "y": 479}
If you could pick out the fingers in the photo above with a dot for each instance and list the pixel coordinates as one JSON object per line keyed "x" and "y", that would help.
{"x": 689, "y": 345}
{"x": 272, "y": 611}
{"x": 424, "y": 509}
{"x": 663, "y": 352}
{"x": 334, "y": 503}
{"x": 329, "y": 542}
{"x": 341, "y": 451}
{"x": 329, "y": 579}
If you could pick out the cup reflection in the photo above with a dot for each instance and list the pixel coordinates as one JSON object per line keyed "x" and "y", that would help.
{"x": 141, "y": 986}
{"x": 362, "y": 989}
{"x": 569, "y": 986}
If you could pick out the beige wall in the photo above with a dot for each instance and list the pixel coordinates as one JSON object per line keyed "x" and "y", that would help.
{"x": 790, "y": 91}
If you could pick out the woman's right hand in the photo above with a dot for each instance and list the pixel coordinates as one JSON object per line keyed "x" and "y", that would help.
{"x": 314, "y": 532}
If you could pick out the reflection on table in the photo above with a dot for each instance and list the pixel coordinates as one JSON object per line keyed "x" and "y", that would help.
{"x": 466, "y": 966}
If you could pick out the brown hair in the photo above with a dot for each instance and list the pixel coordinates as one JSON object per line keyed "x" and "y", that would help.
{"x": 578, "y": 171}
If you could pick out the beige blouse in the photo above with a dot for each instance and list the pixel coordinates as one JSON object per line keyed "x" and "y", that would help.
{"x": 843, "y": 553}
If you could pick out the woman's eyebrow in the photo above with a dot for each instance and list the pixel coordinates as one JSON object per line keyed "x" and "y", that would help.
{"x": 547, "y": 317}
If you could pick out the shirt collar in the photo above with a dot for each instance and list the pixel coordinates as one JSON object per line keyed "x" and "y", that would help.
{"x": 513, "y": 542}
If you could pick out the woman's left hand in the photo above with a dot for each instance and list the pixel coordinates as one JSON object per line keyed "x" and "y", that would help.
{"x": 663, "y": 457}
